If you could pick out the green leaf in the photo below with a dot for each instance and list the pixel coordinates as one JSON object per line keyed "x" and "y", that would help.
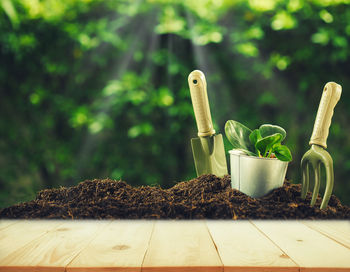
{"x": 238, "y": 136}
{"x": 247, "y": 152}
{"x": 265, "y": 144}
{"x": 282, "y": 152}
{"x": 268, "y": 130}
{"x": 255, "y": 136}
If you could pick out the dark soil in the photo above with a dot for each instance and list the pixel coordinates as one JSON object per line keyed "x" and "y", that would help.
{"x": 205, "y": 197}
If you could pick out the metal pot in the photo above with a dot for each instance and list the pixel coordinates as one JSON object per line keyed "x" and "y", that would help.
{"x": 256, "y": 176}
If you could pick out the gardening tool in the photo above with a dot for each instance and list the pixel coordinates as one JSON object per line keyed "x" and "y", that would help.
{"x": 208, "y": 149}
{"x": 317, "y": 154}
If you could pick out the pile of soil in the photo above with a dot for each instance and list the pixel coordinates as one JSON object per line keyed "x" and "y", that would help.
{"x": 204, "y": 197}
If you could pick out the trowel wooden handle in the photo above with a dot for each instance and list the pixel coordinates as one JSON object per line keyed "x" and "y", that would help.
{"x": 199, "y": 96}
{"x": 330, "y": 97}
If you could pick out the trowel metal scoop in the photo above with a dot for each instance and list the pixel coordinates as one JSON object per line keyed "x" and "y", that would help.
{"x": 208, "y": 149}
{"x": 317, "y": 155}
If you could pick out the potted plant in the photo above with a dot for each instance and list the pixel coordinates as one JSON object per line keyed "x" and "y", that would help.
{"x": 258, "y": 159}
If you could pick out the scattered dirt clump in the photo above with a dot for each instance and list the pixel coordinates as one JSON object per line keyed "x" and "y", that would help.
{"x": 207, "y": 197}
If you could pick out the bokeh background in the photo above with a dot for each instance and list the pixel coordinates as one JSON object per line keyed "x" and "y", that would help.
{"x": 96, "y": 89}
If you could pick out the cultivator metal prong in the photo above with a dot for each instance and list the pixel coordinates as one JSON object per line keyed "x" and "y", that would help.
{"x": 317, "y": 170}
{"x": 317, "y": 154}
{"x": 315, "y": 157}
{"x": 328, "y": 164}
{"x": 306, "y": 183}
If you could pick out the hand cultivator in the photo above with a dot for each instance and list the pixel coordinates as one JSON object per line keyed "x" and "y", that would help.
{"x": 317, "y": 155}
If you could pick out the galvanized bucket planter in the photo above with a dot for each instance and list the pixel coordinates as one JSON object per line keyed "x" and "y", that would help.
{"x": 256, "y": 176}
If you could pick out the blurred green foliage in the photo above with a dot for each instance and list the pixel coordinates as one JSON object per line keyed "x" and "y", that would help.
{"x": 94, "y": 89}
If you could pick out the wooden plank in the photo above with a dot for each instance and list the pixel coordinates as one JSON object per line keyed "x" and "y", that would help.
{"x": 120, "y": 247}
{"x": 54, "y": 250}
{"x": 310, "y": 249}
{"x": 21, "y": 233}
{"x": 4, "y": 223}
{"x": 181, "y": 246}
{"x": 242, "y": 247}
{"x": 336, "y": 230}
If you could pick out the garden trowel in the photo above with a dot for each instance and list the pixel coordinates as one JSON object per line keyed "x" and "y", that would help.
{"x": 208, "y": 149}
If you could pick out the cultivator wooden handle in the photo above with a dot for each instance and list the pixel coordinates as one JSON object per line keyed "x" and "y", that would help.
{"x": 330, "y": 97}
{"x": 199, "y": 96}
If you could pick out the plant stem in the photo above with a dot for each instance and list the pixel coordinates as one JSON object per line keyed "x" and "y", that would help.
{"x": 270, "y": 153}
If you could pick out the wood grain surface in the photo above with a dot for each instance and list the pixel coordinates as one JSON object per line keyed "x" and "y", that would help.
{"x": 120, "y": 246}
{"x": 53, "y": 250}
{"x": 311, "y": 250}
{"x": 242, "y": 247}
{"x": 5, "y": 223}
{"x": 338, "y": 231}
{"x": 181, "y": 246}
{"x": 17, "y": 235}
{"x": 169, "y": 246}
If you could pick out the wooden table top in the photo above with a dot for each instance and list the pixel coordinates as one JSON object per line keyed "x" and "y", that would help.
{"x": 169, "y": 246}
